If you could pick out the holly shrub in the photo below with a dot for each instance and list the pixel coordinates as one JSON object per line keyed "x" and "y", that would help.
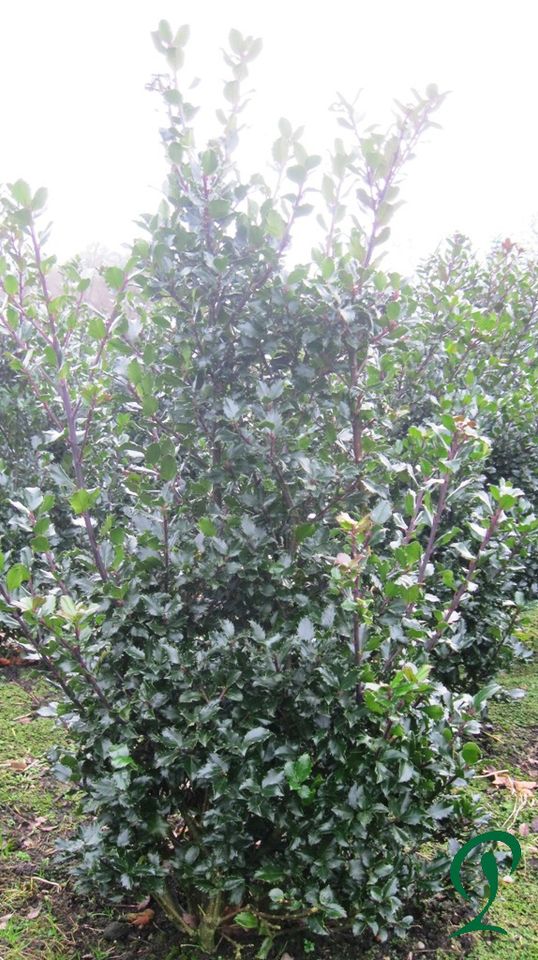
{"x": 474, "y": 340}
{"x": 258, "y": 530}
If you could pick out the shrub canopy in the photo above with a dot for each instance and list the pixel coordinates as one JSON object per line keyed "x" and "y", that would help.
{"x": 270, "y": 538}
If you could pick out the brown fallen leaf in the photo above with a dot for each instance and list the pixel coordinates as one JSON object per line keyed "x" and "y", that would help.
{"x": 534, "y": 825}
{"x": 34, "y": 912}
{"x": 141, "y": 919}
{"x": 18, "y": 765}
{"x": 503, "y": 779}
{"x": 524, "y": 829}
{"x": 525, "y": 787}
{"x": 5, "y": 920}
{"x": 500, "y": 778}
{"x": 41, "y": 823}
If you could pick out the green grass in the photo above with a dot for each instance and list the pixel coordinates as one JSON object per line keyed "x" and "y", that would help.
{"x": 25, "y": 939}
{"x": 25, "y": 796}
{"x": 514, "y": 739}
{"x": 23, "y": 790}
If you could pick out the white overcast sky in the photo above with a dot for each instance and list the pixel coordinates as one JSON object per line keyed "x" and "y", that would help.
{"x": 76, "y": 118}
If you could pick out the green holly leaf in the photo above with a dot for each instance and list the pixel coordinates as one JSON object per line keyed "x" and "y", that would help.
{"x": 17, "y": 575}
{"x": 83, "y": 500}
{"x": 207, "y": 527}
{"x": 471, "y": 752}
{"x": 96, "y": 328}
{"x": 168, "y": 467}
{"x": 246, "y": 920}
